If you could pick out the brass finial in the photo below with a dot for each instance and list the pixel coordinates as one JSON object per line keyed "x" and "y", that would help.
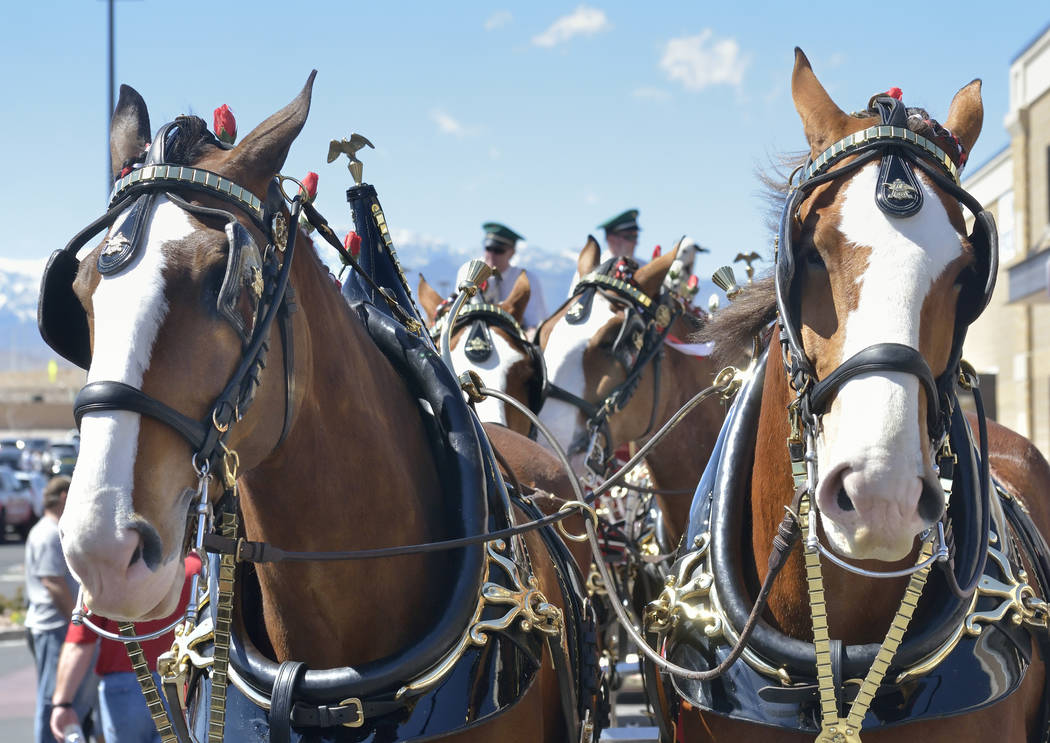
{"x": 477, "y": 272}
{"x": 725, "y": 280}
{"x": 748, "y": 259}
{"x": 350, "y": 147}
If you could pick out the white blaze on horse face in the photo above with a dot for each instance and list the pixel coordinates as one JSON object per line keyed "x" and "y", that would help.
{"x": 129, "y": 307}
{"x": 871, "y": 445}
{"x": 493, "y": 372}
{"x": 564, "y": 358}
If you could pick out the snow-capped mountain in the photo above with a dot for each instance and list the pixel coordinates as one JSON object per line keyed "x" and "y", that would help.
{"x": 21, "y": 347}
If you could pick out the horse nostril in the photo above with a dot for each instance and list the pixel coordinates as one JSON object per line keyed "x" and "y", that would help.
{"x": 843, "y": 502}
{"x": 136, "y": 555}
{"x": 931, "y": 501}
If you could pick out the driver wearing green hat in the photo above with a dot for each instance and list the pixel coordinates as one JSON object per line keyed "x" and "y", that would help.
{"x": 621, "y": 234}
{"x": 500, "y": 245}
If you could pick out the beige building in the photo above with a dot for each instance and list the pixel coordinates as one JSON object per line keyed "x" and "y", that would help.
{"x": 1010, "y": 343}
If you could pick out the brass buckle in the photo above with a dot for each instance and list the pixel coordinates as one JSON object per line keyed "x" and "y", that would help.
{"x": 354, "y": 701}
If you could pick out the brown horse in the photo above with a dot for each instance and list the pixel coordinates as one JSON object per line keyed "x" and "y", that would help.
{"x": 489, "y": 340}
{"x": 872, "y": 297}
{"x": 355, "y": 467}
{"x": 585, "y": 356}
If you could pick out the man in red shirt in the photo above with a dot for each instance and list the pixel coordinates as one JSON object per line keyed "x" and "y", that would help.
{"x": 125, "y": 716}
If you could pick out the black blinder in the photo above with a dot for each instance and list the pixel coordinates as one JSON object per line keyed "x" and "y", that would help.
{"x": 242, "y": 285}
{"x": 630, "y": 340}
{"x": 60, "y": 316}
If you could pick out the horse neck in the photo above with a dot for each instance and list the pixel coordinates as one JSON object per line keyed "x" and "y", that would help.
{"x": 859, "y": 609}
{"x": 355, "y": 472}
{"x": 679, "y": 458}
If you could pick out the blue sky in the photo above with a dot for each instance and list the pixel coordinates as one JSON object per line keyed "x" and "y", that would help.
{"x": 550, "y": 117}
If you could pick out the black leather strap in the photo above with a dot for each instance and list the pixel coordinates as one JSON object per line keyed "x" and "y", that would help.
{"x": 881, "y": 357}
{"x": 350, "y": 713}
{"x": 281, "y": 700}
{"x": 109, "y": 395}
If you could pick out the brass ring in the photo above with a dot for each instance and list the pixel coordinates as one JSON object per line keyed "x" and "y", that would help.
{"x": 280, "y": 184}
{"x": 575, "y": 504}
{"x": 220, "y": 427}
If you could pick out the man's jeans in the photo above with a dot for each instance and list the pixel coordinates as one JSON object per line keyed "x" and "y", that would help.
{"x": 47, "y": 645}
{"x": 125, "y": 716}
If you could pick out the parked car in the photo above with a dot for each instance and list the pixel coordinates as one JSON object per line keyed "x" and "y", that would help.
{"x": 32, "y": 452}
{"x": 59, "y": 459}
{"x": 16, "y": 504}
{"x": 34, "y": 482}
{"x": 10, "y": 452}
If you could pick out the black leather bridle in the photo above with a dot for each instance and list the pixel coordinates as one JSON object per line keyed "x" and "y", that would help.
{"x": 899, "y": 149}
{"x": 480, "y": 317}
{"x": 639, "y": 343}
{"x": 899, "y": 195}
{"x": 63, "y": 323}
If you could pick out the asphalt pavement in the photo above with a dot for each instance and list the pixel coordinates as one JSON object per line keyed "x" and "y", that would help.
{"x": 17, "y": 691}
{"x": 17, "y": 674}
{"x": 12, "y": 565}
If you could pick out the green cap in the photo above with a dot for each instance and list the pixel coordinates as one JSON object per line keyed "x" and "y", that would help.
{"x": 499, "y": 235}
{"x": 626, "y": 222}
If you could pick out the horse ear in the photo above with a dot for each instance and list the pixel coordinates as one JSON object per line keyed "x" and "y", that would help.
{"x": 429, "y": 298}
{"x": 129, "y": 131}
{"x": 261, "y": 154}
{"x": 966, "y": 114}
{"x": 823, "y": 121}
{"x": 650, "y": 277}
{"x": 518, "y": 299}
{"x": 589, "y": 257}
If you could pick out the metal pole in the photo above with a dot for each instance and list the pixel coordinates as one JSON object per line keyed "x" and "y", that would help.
{"x": 112, "y": 101}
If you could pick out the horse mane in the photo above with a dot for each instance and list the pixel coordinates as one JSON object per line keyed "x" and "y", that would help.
{"x": 731, "y": 329}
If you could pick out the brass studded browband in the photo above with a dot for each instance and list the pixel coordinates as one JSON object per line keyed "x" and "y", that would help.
{"x": 491, "y": 309}
{"x": 171, "y": 175}
{"x": 880, "y": 133}
{"x": 618, "y": 285}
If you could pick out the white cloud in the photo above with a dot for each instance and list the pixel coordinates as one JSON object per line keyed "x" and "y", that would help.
{"x": 651, "y": 94}
{"x": 583, "y": 21}
{"x": 498, "y": 19}
{"x": 701, "y": 60}
{"x": 447, "y": 124}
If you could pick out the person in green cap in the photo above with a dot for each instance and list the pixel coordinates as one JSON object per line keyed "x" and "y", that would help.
{"x": 500, "y": 245}
{"x": 621, "y": 234}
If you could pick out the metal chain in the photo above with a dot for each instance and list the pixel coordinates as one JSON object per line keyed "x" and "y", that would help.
{"x": 835, "y": 729}
{"x": 148, "y": 685}
{"x": 223, "y": 618}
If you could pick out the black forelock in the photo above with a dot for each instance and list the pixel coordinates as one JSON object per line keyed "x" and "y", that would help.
{"x": 191, "y": 142}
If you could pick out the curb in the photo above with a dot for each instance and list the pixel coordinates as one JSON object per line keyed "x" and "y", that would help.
{"x": 12, "y": 633}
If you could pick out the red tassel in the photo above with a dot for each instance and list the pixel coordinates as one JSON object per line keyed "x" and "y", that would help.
{"x": 895, "y": 93}
{"x": 656, "y": 252}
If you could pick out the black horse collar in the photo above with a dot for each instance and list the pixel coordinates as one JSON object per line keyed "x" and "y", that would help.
{"x": 776, "y": 684}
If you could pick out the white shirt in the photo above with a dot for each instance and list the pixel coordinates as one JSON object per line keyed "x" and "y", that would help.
{"x": 499, "y": 287}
